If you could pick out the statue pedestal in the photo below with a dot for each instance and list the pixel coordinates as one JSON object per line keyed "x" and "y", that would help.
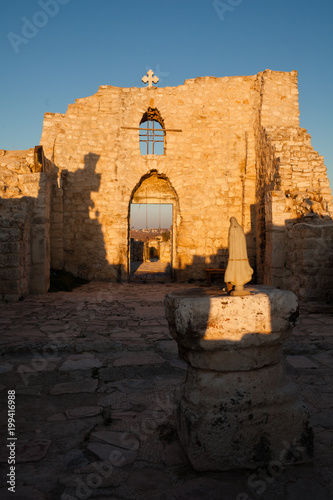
{"x": 238, "y": 409}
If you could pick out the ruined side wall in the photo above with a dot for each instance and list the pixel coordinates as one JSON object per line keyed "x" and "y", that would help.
{"x": 277, "y": 106}
{"x": 291, "y": 177}
{"x": 165, "y": 251}
{"x": 25, "y": 225}
{"x": 210, "y": 164}
{"x": 309, "y": 248}
{"x": 15, "y": 254}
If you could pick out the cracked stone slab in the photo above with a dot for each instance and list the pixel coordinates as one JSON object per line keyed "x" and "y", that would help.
{"x": 169, "y": 346}
{"x": 29, "y": 391}
{"x": 75, "y": 458}
{"x": 75, "y": 387}
{"x": 306, "y": 489}
{"x": 116, "y": 400}
{"x": 149, "y": 479}
{"x": 54, "y": 327}
{"x": 138, "y": 358}
{"x": 119, "y": 457}
{"x": 83, "y": 412}
{"x": 120, "y": 439}
{"x": 132, "y": 386}
{"x": 98, "y": 345}
{"x": 83, "y": 355}
{"x": 301, "y": 362}
{"x": 324, "y": 359}
{"x": 6, "y": 367}
{"x": 174, "y": 454}
{"x": 108, "y": 475}
{"x": 205, "y": 487}
{"x": 57, "y": 417}
{"x": 120, "y": 414}
{"x": 28, "y": 450}
{"x": 80, "y": 364}
{"x": 178, "y": 363}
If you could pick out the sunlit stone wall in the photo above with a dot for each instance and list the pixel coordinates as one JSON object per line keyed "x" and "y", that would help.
{"x": 230, "y": 143}
{"x": 24, "y": 224}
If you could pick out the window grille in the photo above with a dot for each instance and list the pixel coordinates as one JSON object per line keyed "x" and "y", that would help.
{"x": 152, "y": 133}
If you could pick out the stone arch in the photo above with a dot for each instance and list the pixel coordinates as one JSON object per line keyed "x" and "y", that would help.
{"x": 154, "y": 187}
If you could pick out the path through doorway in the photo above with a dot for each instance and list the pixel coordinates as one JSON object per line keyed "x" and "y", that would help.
{"x": 152, "y": 229}
{"x": 151, "y": 241}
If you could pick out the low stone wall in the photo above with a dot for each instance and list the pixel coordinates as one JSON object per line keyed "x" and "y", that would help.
{"x": 309, "y": 259}
{"x": 15, "y": 254}
{"x": 25, "y": 206}
{"x": 292, "y": 183}
{"x": 137, "y": 250}
{"x": 165, "y": 251}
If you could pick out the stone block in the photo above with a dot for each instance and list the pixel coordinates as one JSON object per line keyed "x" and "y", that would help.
{"x": 9, "y": 260}
{"x": 238, "y": 408}
{"x": 9, "y": 286}
{"x": 10, "y": 297}
{"x": 304, "y": 230}
{"x": 10, "y": 273}
{"x": 12, "y": 247}
{"x": 301, "y": 362}
{"x": 40, "y": 280}
{"x": 38, "y": 249}
{"x": 219, "y": 323}
{"x": 241, "y": 419}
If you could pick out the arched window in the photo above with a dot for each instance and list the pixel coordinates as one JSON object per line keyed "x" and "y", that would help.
{"x": 152, "y": 133}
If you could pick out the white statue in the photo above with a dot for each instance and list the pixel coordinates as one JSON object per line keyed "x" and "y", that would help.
{"x": 238, "y": 271}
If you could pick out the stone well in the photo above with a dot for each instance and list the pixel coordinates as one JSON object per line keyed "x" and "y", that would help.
{"x": 238, "y": 409}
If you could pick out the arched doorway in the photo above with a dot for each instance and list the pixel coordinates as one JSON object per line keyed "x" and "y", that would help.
{"x": 155, "y": 189}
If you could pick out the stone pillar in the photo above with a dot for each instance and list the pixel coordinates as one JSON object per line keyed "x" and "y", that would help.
{"x": 276, "y": 215}
{"x": 238, "y": 409}
{"x": 40, "y": 236}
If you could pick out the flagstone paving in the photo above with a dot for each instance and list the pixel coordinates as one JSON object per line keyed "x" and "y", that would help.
{"x": 97, "y": 377}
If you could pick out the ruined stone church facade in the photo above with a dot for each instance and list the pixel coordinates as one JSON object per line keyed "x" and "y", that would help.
{"x": 231, "y": 146}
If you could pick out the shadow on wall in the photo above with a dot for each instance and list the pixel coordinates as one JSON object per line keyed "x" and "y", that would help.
{"x": 219, "y": 260}
{"x": 25, "y": 223}
{"x": 83, "y": 239}
{"x": 285, "y": 256}
{"x": 196, "y": 270}
{"x": 299, "y": 257}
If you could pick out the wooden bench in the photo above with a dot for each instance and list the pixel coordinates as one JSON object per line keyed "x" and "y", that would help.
{"x": 209, "y": 273}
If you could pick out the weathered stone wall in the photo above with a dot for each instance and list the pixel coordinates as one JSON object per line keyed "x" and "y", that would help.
{"x": 15, "y": 256}
{"x": 137, "y": 250}
{"x": 298, "y": 250}
{"x": 291, "y": 176}
{"x": 56, "y": 221}
{"x": 309, "y": 262}
{"x": 165, "y": 251}
{"x": 229, "y": 142}
{"x": 210, "y": 166}
{"x": 25, "y": 223}
{"x": 233, "y": 147}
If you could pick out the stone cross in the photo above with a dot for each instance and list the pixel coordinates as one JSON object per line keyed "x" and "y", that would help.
{"x": 150, "y": 79}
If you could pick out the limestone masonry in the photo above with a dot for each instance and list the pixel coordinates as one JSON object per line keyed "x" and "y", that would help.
{"x": 232, "y": 147}
{"x": 237, "y": 403}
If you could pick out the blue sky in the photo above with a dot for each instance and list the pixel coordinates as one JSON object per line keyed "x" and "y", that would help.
{"x": 151, "y": 216}
{"x": 82, "y": 44}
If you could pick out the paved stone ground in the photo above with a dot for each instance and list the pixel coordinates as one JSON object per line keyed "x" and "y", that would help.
{"x": 143, "y": 272}
{"x": 96, "y": 376}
